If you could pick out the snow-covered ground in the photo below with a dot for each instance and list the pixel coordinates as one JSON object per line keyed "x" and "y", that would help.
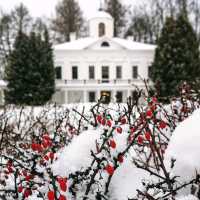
{"x": 79, "y": 150}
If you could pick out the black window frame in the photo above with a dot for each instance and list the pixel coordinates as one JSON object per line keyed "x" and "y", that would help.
{"x": 104, "y": 77}
{"x": 119, "y": 72}
{"x": 91, "y": 72}
{"x": 119, "y": 96}
{"x": 91, "y": 99}
{"x": 74, "y": 72}
{"x": 135, "y": 72}
{"x": 102, "y": 29}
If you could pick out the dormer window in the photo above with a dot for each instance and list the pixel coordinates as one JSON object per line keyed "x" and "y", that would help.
{"x": 102, "y": 30}
{"x": 105, "y": 44}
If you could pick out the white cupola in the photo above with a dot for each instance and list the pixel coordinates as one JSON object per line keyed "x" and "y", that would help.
{"x": 101, "y": 25}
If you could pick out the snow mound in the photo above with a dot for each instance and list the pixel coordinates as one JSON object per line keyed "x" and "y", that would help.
{"x": 77, "y": 154}
{"x": 126, "y": 180}
{"x": 189, "y": 197}
{"x": 184, "y": 147}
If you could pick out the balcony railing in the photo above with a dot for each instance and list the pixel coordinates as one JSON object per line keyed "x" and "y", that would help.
{"x": 102, "y": 81}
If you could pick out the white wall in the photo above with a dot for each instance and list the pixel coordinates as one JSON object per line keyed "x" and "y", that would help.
{"x": 98, "y": 58}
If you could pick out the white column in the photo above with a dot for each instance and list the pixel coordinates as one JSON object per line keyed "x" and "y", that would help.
{"x": 85, "y": 99}
{"x": 128, "y": 93}
{"x": 98, "y": 93}
{"x": 65, "y": 96}
{"x": 114, "y": 92}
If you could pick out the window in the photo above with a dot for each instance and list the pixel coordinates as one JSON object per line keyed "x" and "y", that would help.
{"x": 101, "y": 29}
{"x": 74, "y": 72}
{"x": 118, "y": 72}
{"x": 91, "y": 72}
{"x": 135, "y": 72}
{"x": 105, "y": 44}
{"x": 92, "y": 96}
{"x": 119, "y": 97}
{"x": 58, "y": 72}
{"x": 105, "y": 73}
{"x": 149, "y": 72}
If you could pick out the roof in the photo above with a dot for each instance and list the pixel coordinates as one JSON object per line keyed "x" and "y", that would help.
{"x": 131, "y": 45}
{"x": 84, "y": 43}
{"x": 101, "y": 14}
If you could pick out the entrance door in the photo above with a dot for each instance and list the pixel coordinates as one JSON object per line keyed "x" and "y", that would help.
{"x": 105, "y": 96}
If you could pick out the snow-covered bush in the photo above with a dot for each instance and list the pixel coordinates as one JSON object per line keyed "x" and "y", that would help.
{"x": 96, "y": 151}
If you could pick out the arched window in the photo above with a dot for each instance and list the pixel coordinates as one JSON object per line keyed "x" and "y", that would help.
{"x": 105, "y": 44}
{"x": 101, "y": 29}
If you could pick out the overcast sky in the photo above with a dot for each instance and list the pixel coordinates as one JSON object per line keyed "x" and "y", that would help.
{"x": 40, "y": 8}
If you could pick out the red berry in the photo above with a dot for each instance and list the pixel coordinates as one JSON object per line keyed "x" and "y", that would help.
{"x": 10, "y": 169}
{"x": 99, "y": 118}
{"x": 28, "y": 178}
{"x": 147, "y": 136}
{"x": 63, "y": 184}
{"x": 9, "y": 163}
{"x": 109, "y": 123}
{"x": 132, "y": 129}
{"x": 162, "y": 125}
{"x": 34, "y": 146}
{"x": 109, "y": 169}
{"x": 62, "y": 197}
{"x": 51, "y": 155}
{"x": 20, "y": 189}
{"x": 51, "y": 195}
{"x": 154, "y": 99}
{"x": 140, "y": 139}
{"x": 149, "y": 114}
{"x": 112, "y": 144}
{"x": 123, "y": 120}
{"x": 103, "y": 122}
{"x": 45, "y": 144}
{"x": 119, "y": 130}
{"x": 24, "y": 172}
{"x": 46, "y": 157}
{"x": 46, "y": 137}
{"x": 120, "y": 158}
{"x": 27, "y": 193}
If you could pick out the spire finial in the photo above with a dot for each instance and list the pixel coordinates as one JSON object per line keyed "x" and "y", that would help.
{"x": 101, "y": 7}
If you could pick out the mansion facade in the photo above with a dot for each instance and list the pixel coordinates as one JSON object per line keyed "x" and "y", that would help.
{"x": 100, "y": 64}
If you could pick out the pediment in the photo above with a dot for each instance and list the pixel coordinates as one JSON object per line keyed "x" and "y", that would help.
{"x": 105, "y": 44}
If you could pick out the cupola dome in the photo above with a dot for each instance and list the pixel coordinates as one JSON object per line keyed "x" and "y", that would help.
{"x": 101, "y": 24}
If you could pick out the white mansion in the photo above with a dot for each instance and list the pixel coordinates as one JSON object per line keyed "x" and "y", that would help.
{"x": 100, "y": 64}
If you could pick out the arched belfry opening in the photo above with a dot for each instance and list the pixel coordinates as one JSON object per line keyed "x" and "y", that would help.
{"x": 102, "y": 29}
{"x": 105, "y": 44}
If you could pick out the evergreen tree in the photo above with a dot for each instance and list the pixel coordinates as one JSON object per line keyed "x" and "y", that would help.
{"x": 118, "y": 12}
{"x": 68, "y": 19}
{"x": 30, "y": 71}
{"x": 176, "y": 57}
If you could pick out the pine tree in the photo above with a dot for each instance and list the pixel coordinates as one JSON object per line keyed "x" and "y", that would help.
{"x": 118, "y": 12}
{"x": 47, "y": 84}
{"x": 176, "y": 57}
{"x": 30, "y": 71}
{"x": 68, "y": 19}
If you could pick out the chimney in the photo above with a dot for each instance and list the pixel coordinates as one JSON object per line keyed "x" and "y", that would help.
{"x": 72, "y": 36}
